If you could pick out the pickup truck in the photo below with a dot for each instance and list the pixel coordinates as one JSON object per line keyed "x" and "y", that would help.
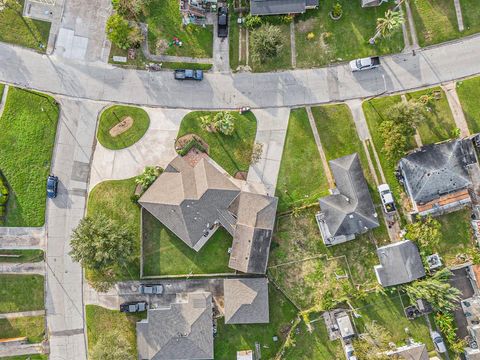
{"x": 387, "y": 198}
{"x": 222, "y": 19}
{"x": 187, "y": 74}
{"x": 365, "y": 63}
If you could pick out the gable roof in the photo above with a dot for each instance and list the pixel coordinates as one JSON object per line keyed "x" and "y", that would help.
{"x": 277, "y": 7}
{"x": 437, "y": 169}
{"x": 410, "y": 352}
{"x": 400, "y": 263}
{"x": 246, "y": 301}
{"x": 180, "y": 332}
{"x": 351, "y": 211}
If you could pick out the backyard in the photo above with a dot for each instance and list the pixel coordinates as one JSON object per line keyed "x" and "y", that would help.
{"x": 469, "y": 92}
{"x": 165, "y": 254}
{"x": 28, "y": 126}
{"x": 32, "y": 327}
{"x": 344, "y": 39}
{"x": 21, "y": 293}
{"x": 233, "y": 153}
{"x": 23, "y": 31}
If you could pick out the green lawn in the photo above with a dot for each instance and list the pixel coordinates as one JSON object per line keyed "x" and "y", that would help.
{"x": 471, "y": 16}
{"x": 21, "y": 256}
{"x": 301, "y": 178}
{"x": 21, "y": 293}
{"x": 112, "y": 198}
{"x": 101, "y": 321}
{"x": 31, "y": 327}
{"x": 19, "y": 30}
{"x": 165, "y": 254}
{"x": 28, "y": 127}
{"x": 439, "y": 124}
{"x": 232, "y": 153}
{"x": 233, "y": 338}
{"x": 165, "y": 22}
{"x": 26, "y": 357}
{"x": 469, "y": 92}
{"x": 344, "y": 39}
{"x": 233, "y": 37}
{"x": 114, "y": 115}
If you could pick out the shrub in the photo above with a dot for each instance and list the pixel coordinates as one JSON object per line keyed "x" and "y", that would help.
{"x": 224, "y": 122}
{"x": 310, "y": 36}
{"x": 118, "y": 31}
{"x": 337, "y": 10}
{"x": 135, "y": 36}
{"x": 149, "y": 175}
{"x": 130, "y": 8}
{"x": 286, "y": 19}
{"x": 266, "y": 43}
{"x": 257, "y": 152}
{"x": 252, "y": 21}
{"x": 188, "y": 146}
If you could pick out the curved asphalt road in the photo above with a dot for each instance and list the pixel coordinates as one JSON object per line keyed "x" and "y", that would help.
{"x": 99, "y": 81}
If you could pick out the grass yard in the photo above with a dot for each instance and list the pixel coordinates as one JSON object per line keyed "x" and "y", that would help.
{"x": 165, "y": 254}
{"x": 439, "y": 124}
{"x": 32, "y": 327}
{"x": 21, "y": 293}
{"x": 301, "y": 179}
{"x": 112, "y": 116}
{"x": 26, "y": 357}
{"x": 165, "y": 22}
{"x": 471, "y": 16}
{"x": 232, "y": 338}
{"x": 101, "y": 321}
{"x": 233, "y": 152}
{"x": 112, "y": 198}
{"x": 23, "y": 31}
{"x": 469, "y": 92}
{"x": 28, "y": 126}
{"x": 344, "y": 39}
{"x": 21, "y": 256}
{"x": 233, "y": 37}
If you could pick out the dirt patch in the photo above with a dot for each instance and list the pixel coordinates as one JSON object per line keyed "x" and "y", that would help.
{"x": 162, "y": 46}
{"x": 305, "y": 26}
{"x": 241, "y": 175}
{"x": 121, "y": 127}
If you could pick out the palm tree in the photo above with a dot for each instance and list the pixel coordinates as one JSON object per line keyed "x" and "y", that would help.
{"x": 387, "y": 25}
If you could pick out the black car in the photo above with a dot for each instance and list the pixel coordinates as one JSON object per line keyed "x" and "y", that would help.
{"x": 222, "y": 17}
{"x": 52, "y": 186}
{"x": 133, "y": 306}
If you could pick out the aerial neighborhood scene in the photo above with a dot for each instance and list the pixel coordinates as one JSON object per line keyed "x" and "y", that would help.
{"x": 239, "y": 179}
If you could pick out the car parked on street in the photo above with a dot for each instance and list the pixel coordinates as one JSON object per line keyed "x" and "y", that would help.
{"x": 52, "y": 186}
{"x": 438, "y": 342}
{"x": 365, "y": 63}
{"x": 133, "y": 306}
{"x": 222, "y": 20}
{"x": 151, "y": 289}
{"x": 387, "y": 198}
{"x": 188, "y": 74}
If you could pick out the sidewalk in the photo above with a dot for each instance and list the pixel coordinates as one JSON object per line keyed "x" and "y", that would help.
{"x": 23, "y": 268}
{"x": 22, "y": 238}
{"x": 22, "y": 314}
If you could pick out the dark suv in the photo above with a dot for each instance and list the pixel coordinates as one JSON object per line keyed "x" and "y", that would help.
{"x": 133, "y": 306}
{"x": 222, "y": 17}
{"x": 52, "y": 186}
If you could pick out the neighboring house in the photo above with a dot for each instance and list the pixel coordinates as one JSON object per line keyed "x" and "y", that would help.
{"x": 194, "y": 196}
{"x": 245, "y": 355}
{"x": 412, "y": 351}
{"x": 437, "y": 177}
{"x": 472, "y": 351}
{"x": 349, "y": 211}
{"x": 400, "y": 263}
{"x": 345, "y": 326}
{"x": 246, "y": 301}
{"x": 279, "y": 7}
{"x": 370, "y": 3}
{"x": 183, "y": 331}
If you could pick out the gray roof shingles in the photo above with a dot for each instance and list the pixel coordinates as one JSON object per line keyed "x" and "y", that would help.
{"x": 277, "y": 7}
{"x": 246, "y": 301}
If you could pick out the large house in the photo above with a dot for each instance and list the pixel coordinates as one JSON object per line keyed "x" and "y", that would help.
{"x": 349, "y": 211}
{"x": 279, "y": 7}
{"x": 437, "y": 177}
{"x": 194, "y": 196}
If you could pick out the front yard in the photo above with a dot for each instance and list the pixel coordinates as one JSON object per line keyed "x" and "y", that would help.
{"x": 21, "y": 293}
{"x": 21, "y": 256}
{"x": 32, "y": 327}
{"x": 28, "y": 126}
{"x": 469, "y": 92}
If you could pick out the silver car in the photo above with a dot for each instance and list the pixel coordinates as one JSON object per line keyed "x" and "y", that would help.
{"x": 438, "y": 342}
{"x": 151, "y": 289}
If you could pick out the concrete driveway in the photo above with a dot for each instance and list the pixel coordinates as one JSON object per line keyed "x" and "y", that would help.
{"x": 156, "y": 147}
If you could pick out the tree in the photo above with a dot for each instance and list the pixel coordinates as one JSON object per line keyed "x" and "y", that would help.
{"x": 118, "y": 31}
{"x": 224, "y": 122}
{"x": 436, "y": 290}
{"x": 252, "y": 21}
{"x": 149, "y": 175}
{"x": 111, "y": 345}
{"x": 387, "y": 25}
{"x": 101, "y": 244}
{"x": 395, "y": 141}
{"x": 425, "y": 232}
{"x": 372, "y": 344}
{"x": 130, "y": 8}
{"x": 266, "y": 42}
{"x": 135, "y": 36}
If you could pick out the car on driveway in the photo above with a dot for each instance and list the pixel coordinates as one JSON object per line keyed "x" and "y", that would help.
{"x": 438, "y": 342}
{"x": 188, "y": 74}
{"x": 387, "y": 198}
{"x": 349, "y": 352}
{"x": 52, "y": 186}
{"x": 151, "y": 289}
{"x": 365, "y": 63}
{"x": 222, "y": 20}
{"x": 133, "y": 306}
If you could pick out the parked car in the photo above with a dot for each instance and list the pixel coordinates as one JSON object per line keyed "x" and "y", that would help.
{"x": 133, "y": 306}
{"x": 387, "y": 198}
{"x": 365, "y": 63}
{"x": 52, "y": 186}
{"x": 151, "y": 289}
{"x": 188, "y": 74}
{"x": 438, "y": 342}
{"x": 349, "y": 352}
{"x": 222, "y": 20}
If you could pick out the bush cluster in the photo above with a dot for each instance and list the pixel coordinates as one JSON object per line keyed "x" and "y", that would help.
{"x": 3, "y": 197}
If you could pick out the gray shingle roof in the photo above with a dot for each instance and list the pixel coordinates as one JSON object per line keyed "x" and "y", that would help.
{"x": 246, "y": 301}
{"x": 276, "y": 7}
{"x": 352, "y": 210}
{"x": 400, "y": 263}
{"x": 437, "y": 169}
{"x": 410, "y": 352}
{"x": 181, "y": 332}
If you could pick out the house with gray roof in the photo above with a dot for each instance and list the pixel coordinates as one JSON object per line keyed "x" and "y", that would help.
{"x": 193, "y": 198}
{"x": 182, "y": 331}
{"x": 436, "y": 177}
{"x": 246, "y": 301}
{"x": 400, "y": 263}
{"x": 412, "y": 351}
{"x": 349, "y": 210}
{"x": 279, "y": 7}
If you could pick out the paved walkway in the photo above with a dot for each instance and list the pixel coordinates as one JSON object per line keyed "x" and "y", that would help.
{"x": 221, "y": 53}
{"x": 458, "y": 12}
{"x": 3, "y": 100}
{"x": 22, "y": 268}
{"x": 15, "y": 349}
{"x": 14, "y": 315}
{"x": 457, "y": 111}
{"x": 411, "y": 26}
{"x": 316, "y": 135}
{"x": 293, "y": 48}
{"x": 156, "y": 147}
{"x": 22, "y": 238}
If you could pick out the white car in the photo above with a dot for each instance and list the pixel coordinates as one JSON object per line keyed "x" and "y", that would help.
{"x": 349, "y": 352}
{"x": 387, "y": 198}
{"x": 438, "y": 342}
{"x": 365, "y": 63}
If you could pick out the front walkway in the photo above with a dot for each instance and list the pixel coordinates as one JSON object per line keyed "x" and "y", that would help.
{"x": 156, "y": 147}
{"x": 16, "y": 349}
{"x": 456, "y": 108}
{"x": 22, "y": 268}
{"x": 22, "y": 238}
{"x": 14, "y": 315}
